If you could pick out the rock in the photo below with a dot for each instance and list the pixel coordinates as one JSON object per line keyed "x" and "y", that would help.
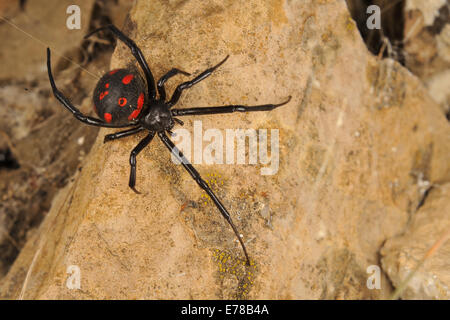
{"x": 427, "y": 46}
{"x": 9, "y": 9}
{"x": 429, "y": 10}
{"x": 31, "y": 36}
{"x": 24, "y": 60}
{"x": 402, "y": 254}
{"x": 45, "y": 145}
{"x": 357, "y": 142}
{"x": 37, "y": 145}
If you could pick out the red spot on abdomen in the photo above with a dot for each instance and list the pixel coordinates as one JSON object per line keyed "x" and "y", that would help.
{"x": 103, "y": 94}
{"x": 108, "y": 117}
{"x": 122, "y": 101}
{"x": 107, "y": 85}
{"x": 127, "y": 79}
{"x": 134, "y": 114}
{"x": 140, "y": 101}
{"x": 113, "y": 71}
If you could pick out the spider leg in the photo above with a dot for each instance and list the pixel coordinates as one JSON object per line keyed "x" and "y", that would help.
{"x": 141, "y": 145}
{"x": 186, "y": 85}
{"x": 202, "y": 183}
{"x": 137, "y": 53}
{"x": 226, "y": 109}
{"x": 66, "y": 103}
{"x": 179, "y": 121}
{"x": 122, "y": 134}
{"x": 172, "y": 72}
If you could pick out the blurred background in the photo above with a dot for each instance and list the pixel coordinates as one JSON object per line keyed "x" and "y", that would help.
{"x": 41, "y": 146}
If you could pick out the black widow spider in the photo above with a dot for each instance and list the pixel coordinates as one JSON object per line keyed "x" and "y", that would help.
{"x": 120, "y": 96}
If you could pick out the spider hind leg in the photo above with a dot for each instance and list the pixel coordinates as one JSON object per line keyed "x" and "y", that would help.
{"x": 202, "y": 183}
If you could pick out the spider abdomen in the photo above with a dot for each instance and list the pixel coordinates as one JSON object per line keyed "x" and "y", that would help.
{"x": 119, "y": 96}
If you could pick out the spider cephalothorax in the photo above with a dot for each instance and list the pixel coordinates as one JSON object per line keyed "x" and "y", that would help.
{"x": 123, "y": 99}
{"x": 159, "y": 118}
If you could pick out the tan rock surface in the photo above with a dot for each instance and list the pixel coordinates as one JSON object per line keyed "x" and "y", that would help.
{"x": 35, "y": 29}
{"x": 427, "y": 46}
{"x": 402, "y": 254}
{"x": 353, "y": 141}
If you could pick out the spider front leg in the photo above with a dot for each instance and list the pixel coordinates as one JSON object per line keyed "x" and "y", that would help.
{"x": 186, "y": 85}
{"x": 202, "y": 183}
{"x": 172, "y": 72}
{"x": 141, "y": 145}
{"x": 226, "y": 109}
{"x": 137, "y": 53}
{"x": 122, "y": 134}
